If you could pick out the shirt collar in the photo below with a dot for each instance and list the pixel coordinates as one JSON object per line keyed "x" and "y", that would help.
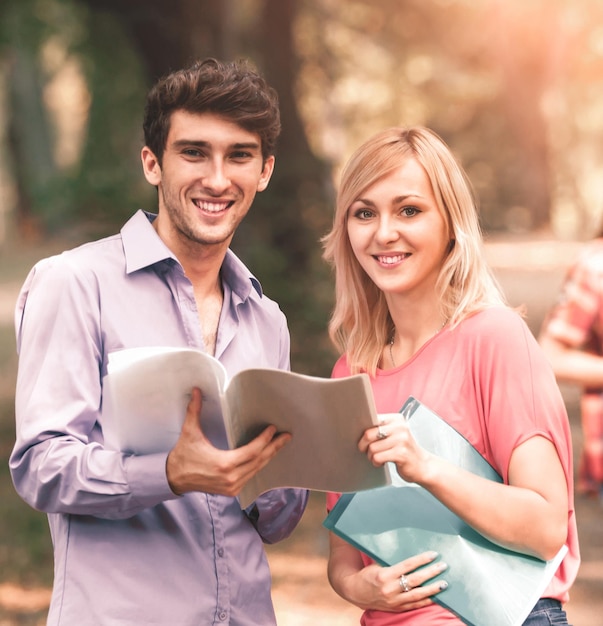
{"x": 238, "y": 277}
{"x": 143, "y": 247}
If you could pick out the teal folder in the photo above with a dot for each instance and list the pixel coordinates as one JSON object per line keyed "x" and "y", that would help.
{"x": 487, "y": 585}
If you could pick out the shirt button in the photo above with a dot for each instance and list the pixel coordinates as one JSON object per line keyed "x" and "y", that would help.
{"x": 220, "y": 551}
{"x": 223, "y": 616}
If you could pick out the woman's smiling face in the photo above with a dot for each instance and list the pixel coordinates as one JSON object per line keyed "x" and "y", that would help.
{"x": 397, "y": 232}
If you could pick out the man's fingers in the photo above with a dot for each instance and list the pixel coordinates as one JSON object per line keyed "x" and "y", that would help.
{"x": 281, "y": 440}
{"x": 266, "y": 444}
{"x": 269, "y": 441}
{"x": 195, "y": 403}
{"x": 195, "y": 464}
{"x": 252, "y": 457}
{"x": 192, "y": 419}
{"x": 275, "y": 445}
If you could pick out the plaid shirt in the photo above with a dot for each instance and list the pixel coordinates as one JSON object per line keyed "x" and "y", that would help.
{"x": 577, "y": 321}
{"x": 577, "y": 317}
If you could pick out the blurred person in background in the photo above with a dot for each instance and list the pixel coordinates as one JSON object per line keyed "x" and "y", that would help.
{"x": 159, "y": 538}
{"x": 572, "y": 338}
{"x": 418, "y": 309}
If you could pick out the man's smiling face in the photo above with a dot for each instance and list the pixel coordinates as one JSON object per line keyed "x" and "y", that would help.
{"x": 210, "y": 172}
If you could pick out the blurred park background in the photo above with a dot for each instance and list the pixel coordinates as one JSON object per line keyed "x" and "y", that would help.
{"x": 515, "y": 87}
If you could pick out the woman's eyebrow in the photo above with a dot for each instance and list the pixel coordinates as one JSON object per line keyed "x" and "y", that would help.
{"x": 396, "y": 200}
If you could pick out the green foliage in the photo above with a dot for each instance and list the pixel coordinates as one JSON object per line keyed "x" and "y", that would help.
{"x": 105, "y": 184}
{"x": 109, "y": 184}
{"x": 304, "y": 295}
{"x": 280, "y": 242}
{"x": 25, "y": 29}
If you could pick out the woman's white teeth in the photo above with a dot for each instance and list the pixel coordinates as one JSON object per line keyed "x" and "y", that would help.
{"x": 390, "y": 260}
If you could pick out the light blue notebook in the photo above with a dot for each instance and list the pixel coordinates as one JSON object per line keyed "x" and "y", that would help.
{"x": 487, "y": 585}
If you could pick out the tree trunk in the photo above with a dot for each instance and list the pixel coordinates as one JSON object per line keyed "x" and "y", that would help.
{"x": 169, "y": 35}
{"x": 523, "y": 51}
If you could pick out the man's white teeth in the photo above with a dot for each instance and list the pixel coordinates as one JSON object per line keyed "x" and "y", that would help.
{"x": 211, "y": 207}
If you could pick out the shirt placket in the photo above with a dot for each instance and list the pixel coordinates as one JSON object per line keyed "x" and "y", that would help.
{"x": 184, "y": 296}
{"x": 221, "y": 562}
{"x": 182, "y": 291}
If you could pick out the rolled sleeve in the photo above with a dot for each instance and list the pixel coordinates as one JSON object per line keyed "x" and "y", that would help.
{"x": 276, "y": 513}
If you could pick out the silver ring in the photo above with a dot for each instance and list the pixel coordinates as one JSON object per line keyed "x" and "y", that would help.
{"x": 382, "y": 433}
{"x": 404, "y": 584}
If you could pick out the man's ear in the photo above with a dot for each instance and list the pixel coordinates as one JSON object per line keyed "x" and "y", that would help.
{"x": 150, "y": 166}
{"x": 266, "y": 173}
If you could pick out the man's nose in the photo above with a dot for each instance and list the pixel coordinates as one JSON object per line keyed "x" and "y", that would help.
{"x": 215, "y": 177}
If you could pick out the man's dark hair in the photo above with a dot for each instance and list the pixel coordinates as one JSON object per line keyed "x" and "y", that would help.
{"x": 233, "y": 90}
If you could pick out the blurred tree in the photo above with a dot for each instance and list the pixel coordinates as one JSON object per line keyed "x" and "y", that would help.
{"x": 108, "y": 186}
{"x": 524, "y": 52}
{"x": 170, "y": 35}
{"x": 479, "y": 73}
{"x": 29, "y": 140}
{"x": 575, "y": 119}
{"x": 296, "y": 210}
{"x": 122, "y": 48}
{"x": 24, "y": 29}
{"x": 511, "y": 86}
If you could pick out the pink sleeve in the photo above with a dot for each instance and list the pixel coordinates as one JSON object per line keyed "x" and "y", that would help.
{"x": 519, "y": 392}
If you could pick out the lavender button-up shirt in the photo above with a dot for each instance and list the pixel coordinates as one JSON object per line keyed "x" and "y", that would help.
{"x": 127, "y": 550}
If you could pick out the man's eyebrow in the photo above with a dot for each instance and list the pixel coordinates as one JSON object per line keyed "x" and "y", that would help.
{"x": 249, "y": 145}
{"x": 199, "y": 143}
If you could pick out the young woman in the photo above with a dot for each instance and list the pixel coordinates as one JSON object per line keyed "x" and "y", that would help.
{"x": 418, "y": 310}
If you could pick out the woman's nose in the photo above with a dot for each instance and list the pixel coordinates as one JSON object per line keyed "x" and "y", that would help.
{"x": 386, "y": 230}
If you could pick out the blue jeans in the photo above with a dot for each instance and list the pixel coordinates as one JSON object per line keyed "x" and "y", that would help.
{"x": 547, "y": 612}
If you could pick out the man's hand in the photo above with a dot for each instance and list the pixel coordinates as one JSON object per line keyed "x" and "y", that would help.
{"x": 194, "y": 464}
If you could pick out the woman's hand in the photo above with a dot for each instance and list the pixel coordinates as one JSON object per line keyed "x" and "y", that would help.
{"x": 392, "y": 441}
{"x": 402, "y": 587}
{"x": 384, "y": 587}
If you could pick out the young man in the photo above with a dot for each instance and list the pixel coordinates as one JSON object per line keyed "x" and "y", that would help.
{"x": 161, "y": 538}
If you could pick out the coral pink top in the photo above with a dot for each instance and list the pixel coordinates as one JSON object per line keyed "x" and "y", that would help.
{"x": 489, "y": 379}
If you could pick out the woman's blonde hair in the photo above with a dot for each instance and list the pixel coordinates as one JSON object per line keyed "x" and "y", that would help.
{"x": 361, "y": 324}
